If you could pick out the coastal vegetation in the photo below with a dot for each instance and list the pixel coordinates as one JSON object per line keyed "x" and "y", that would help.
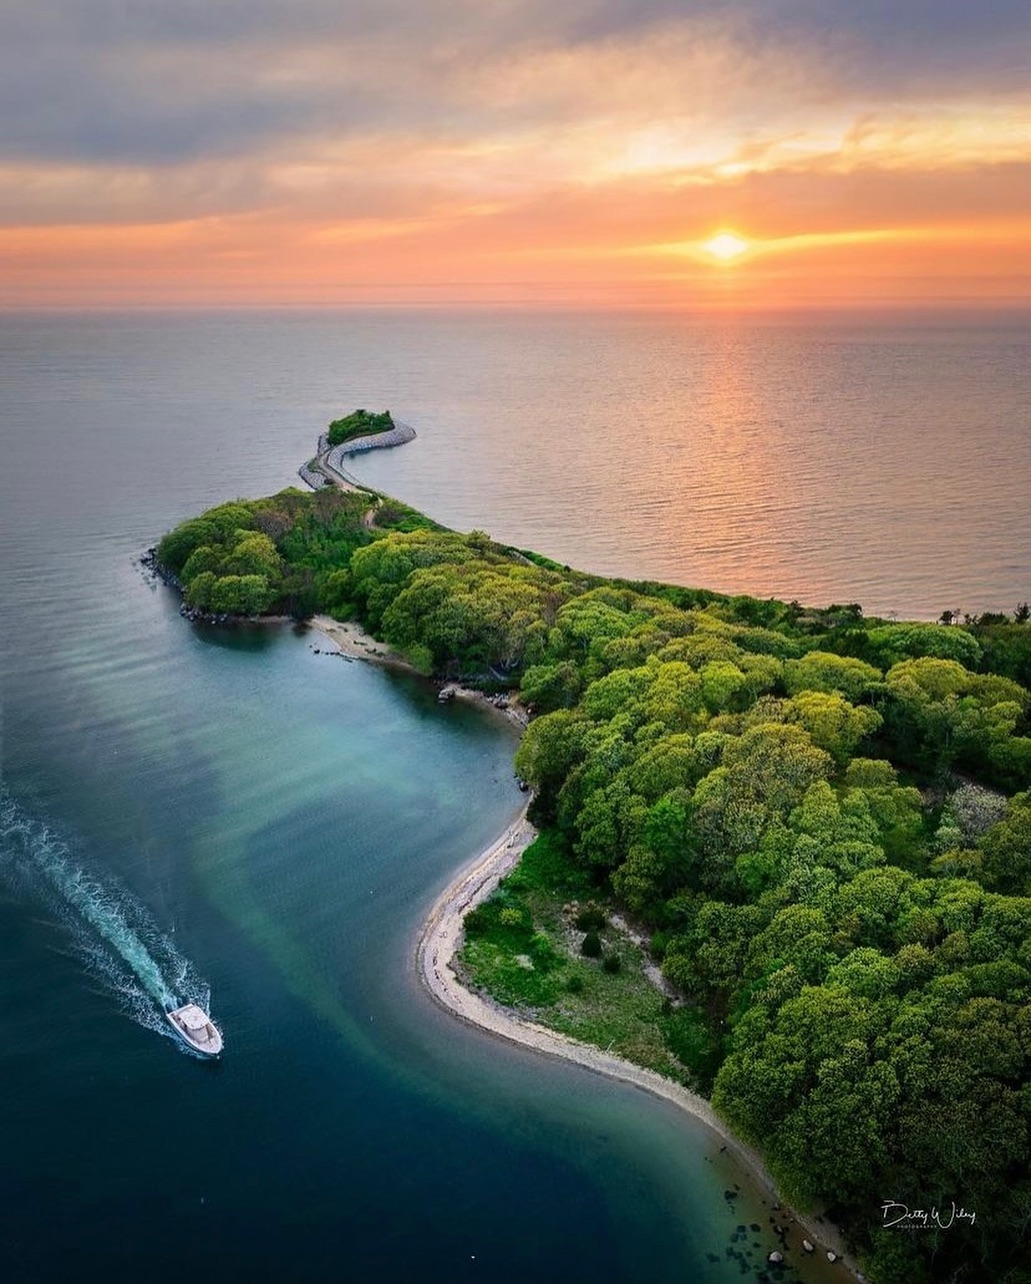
{"x": 359, "y": 423}
{"x": 821, "y": 824}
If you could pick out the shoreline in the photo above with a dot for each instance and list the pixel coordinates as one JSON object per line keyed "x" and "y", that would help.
{"x": 442, "y": 933}
{"x": 354, "y": 643}
{"x": 441, "y": 937}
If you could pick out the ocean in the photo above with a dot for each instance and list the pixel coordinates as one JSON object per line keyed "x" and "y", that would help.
{"x": 230, "y": 816}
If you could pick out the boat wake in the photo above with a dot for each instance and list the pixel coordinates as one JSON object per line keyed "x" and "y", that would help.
{"x": 109, "y": 930}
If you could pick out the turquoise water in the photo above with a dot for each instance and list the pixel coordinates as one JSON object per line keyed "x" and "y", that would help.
{"x": 269, "y": 825}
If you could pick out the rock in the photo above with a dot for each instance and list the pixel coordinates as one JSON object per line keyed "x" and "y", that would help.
{"x": 447, "y": 693}
{"x": 807, "y": 1246}
{"x": 775, "y": 1258}
{"x": 831, "y": 1257}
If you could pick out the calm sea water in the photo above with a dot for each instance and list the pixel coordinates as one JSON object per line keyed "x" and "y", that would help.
{"x": 882, "y": 461}
{"x": 230, "y": 813}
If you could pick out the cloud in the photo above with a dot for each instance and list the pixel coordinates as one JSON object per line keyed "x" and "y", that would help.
{"x": 526, "y": 127}
{"x": 145, "y": 81}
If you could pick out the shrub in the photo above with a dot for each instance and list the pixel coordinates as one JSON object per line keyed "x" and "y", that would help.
{"x": 575, "y": 983}
{"x": 590, "y": 946}
{"x": 543, "y": 952}
{"x": 612, "y": 963}
{"x": 689, "y": 1040}
{"x": 420, "y": 657}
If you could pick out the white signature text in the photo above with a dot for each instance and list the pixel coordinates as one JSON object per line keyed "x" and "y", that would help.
{"x": 896, "y": 1214}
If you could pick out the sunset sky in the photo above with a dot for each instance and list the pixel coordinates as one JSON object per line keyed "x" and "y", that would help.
{"x": 553, "y": 152}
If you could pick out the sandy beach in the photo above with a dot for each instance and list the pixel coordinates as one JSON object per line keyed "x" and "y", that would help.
{"x": 441, "y": 939}
{"x": 354, "y": 642}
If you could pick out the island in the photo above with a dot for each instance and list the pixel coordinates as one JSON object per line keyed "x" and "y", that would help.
{"x": 352, "y": 434}
{"x": 776, "y": 861}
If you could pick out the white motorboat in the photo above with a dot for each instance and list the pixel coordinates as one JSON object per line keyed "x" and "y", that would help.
{"x": 193, "y": 1025}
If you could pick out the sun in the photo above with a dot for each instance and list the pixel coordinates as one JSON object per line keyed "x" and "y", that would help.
{"x": 725, "y": 246}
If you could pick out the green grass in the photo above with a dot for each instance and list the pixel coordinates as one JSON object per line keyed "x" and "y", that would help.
{"x": 545, "y": 867}
{"x": 392, "y": 514}
{"x": 522, "y": 947}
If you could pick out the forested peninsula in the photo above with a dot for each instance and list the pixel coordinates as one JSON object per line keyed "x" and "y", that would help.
{"x": 819, "y": 825}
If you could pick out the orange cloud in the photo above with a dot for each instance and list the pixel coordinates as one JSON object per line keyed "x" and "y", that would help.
{"x": 549, "y": 169}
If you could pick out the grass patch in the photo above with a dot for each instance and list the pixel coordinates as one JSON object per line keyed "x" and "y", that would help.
{"x": 523, "y": 947}
{"x": 393, "y": 515}
{"x": 545, "y": 867}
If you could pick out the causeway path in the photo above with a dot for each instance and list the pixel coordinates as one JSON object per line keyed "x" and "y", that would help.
{"x": 329, "y": 460}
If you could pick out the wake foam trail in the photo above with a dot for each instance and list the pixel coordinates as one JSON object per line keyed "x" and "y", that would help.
{"x": 112, "y": 933}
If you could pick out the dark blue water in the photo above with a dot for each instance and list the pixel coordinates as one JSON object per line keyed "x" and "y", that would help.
{"x": 268, "y": 826}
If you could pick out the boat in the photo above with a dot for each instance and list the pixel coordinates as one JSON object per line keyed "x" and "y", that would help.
{"x": 193, "y": 1025}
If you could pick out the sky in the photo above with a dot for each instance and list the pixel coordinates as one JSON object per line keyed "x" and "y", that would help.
{"x": 574, "y": 153}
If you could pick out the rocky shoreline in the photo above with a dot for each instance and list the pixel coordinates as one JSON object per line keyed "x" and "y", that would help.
{"x": 153, "y": 568}
{"x": 399, "y": 435}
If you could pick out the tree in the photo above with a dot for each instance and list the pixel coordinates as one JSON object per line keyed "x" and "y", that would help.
{"x": 359, "y": 423}
{"x": 240, "y": 595}
{"x": 824, "y": 671}
{"x": 550, "y": 686}
{"x": 552, "y": 747}
{"x": 608, "y": 824}
{"x": 203, "y": 558}
{"x": 721, "y": 683}
{"x": 214, "y": 528}
{"x": 253, "y": 554}
{"x": 895, "y": 642}
{"x": 675, "y": 697}
{"x": 799, "y": 935}
{"x": 671, "y": 763}
{"x": 1007, "y": 849}
{"x": 833, "y": 724}
{"x": 775, "y": 764}
{"x": 620, "y": 691}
